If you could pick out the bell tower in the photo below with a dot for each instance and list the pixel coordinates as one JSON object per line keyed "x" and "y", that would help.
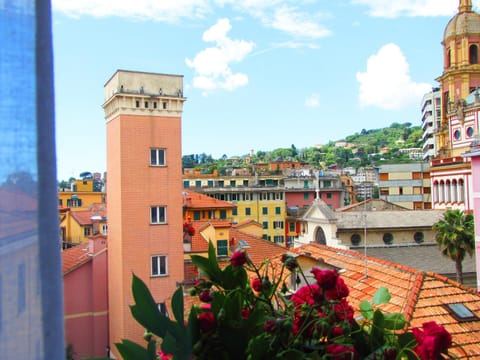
{"x": 143, "y": 113}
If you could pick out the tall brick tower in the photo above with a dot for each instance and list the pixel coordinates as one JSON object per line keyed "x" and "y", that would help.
{"x": 143, "y": 113}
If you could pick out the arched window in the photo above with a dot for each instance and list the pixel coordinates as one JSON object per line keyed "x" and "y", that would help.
{"x": 473, "y": 54}
{"x": 449, "y": 58}
{"x": 320, "y": 236}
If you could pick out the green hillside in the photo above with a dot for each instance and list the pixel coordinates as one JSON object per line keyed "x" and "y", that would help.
{"x": 368, "y": 147}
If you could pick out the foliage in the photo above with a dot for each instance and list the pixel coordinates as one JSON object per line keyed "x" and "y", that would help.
{"x": 455, "y": 236}
{"x": 367, "y": 145}
{"x": 261, "y": 319}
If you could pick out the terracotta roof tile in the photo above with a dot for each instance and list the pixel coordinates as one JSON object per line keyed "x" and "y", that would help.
{"x": 420, "y": 296}
{"x": 74, "y": 257}
{"x": 83, "y": 217}
{"x": 199, "y": 201}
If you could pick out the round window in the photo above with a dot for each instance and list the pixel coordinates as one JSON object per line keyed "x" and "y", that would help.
{"x": 355, "y": 239}
{"x": 387, "y": 238}
{"x": 418, "y": 237}
{"x": 456, "y": 134}
{"x": 470, "y": 131}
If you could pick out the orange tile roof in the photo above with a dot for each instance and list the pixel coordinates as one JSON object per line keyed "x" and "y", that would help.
{"x": 420, "y": 296}
{"x": 83, "y": 217}
{"x": 74, "y": 257}
{"x": 259, "y": 249}
{"x": 199, "y": 201}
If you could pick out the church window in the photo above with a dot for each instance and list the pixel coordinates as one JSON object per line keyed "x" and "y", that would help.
{"x": 473, "y": 54}
{"x": 470, "y": 131}
{"x": 456, "y": 134}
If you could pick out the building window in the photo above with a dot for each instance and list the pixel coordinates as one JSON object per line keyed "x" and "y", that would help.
{"x": 469, "y": 131}
{"x": 137, "y": 104}
{"x": 159, "y": 265}
{"x": 162, "y": 307}
{"x": 186, "y": 184}
{"x": 329, "y": 195}
{"x": 222, "y": 247}
{"x": 164, "y": 104}
{"x": 74, "y": 202}
{"x": 245, "y": 182}
{"x": 418, "y": 237}
{"x": 154, "y": 104}
{"x": 146, "y": 104}
{"x": 278, "y": 239}
{"x": 278, "y": 224}
{"x": 278, "y": 210}
{"x": 248, "y": 211}
{"x": 265, "y": 211}
{"x": 87, "y": 231}
{"x": 388, "y": 238}
{"x": 196, "y": 215}
{"x": 223, "y": 214}
{"x": 291, "y": 226}
{"x": 234, "y": 211}
{"x": 265, "y": 224}
{"x": 355, "y": 239}
{"x": 473, "y": 54}
{"x": 456, "y": 134}
{"x": 157, "y": 157}
{"x": 306, "y": 196}
{"x": 158, "y": 215}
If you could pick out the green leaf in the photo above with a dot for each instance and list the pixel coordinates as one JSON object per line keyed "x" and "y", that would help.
{"x": 382, "y": 296}
{"x": 152, "y": 349}
{"x": 132, "y": 351}
{"x": 177, "y": 306}
{"x": 145, "y": 309}
{"x": 291, "y": 354}
{"x": 366, "y": 310}
{"x": 378, "y": 329}
{"x": 395, "y": 321}
{"x": 169, "y": 344}
{"x": 209, "y": 266}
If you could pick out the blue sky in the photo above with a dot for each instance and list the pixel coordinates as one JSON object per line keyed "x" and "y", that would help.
{"x": 258, "y": 74}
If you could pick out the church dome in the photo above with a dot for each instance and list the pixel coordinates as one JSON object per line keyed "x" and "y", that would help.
{"x": 465, "y": 22}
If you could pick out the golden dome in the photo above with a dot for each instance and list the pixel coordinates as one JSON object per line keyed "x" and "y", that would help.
{"x": 465, "y": 22}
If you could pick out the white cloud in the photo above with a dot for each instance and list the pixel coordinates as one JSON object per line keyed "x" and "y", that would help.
{"x": 386, "y": 83}
{"x": 296, "y": 23}
{"x": 212, "y": 65}
{"x": 312, "y": 101}
{"x": 392, "y": 9}
{"x": 157, "y": 10}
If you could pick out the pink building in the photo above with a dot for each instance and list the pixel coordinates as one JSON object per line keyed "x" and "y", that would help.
{"x": 86, "y": 298}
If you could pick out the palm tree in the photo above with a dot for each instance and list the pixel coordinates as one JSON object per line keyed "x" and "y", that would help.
{"x": 456, "y": 237}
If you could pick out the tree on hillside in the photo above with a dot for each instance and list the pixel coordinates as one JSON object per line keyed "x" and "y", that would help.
{"x": 456, "y": 237}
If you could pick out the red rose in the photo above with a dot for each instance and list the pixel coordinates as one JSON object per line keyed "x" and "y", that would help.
{"x": 339, "y": 291}
{"x": 343, "y": 311}
{"x": 245, "y": 313}
{"x": 432, "y": 341}
{"x": 307, "y": 294}
{"x": 257, "y": 284}
{"x": 327, "y": 279}
{"x": 238, "y": 258}
{"x": 205, "y": 296}
{"x": 206, "y": 321}
{"x": 339, "y": 351}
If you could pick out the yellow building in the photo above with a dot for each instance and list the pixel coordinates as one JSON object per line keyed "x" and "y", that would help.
{"x": 82, "y": 194}
{"x": 259, "y": 198}
{"x": 77, "y": 226}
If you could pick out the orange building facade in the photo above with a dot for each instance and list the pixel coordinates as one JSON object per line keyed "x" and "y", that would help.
{"x": 143, "y": 118}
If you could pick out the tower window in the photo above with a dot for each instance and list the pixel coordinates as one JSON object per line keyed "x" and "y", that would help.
{"x": 387, "y": 238}
{"x": 164, "y": 104}
{"x": 154, "y": 104}
{"x": 158, "y": 215}
{"x": 159, "y": 265}
{"x": 137, "y": 103}
{"x": 473, "y": 54}
{"x": 157, "y": 157}
{"x": 146, "y": 104}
